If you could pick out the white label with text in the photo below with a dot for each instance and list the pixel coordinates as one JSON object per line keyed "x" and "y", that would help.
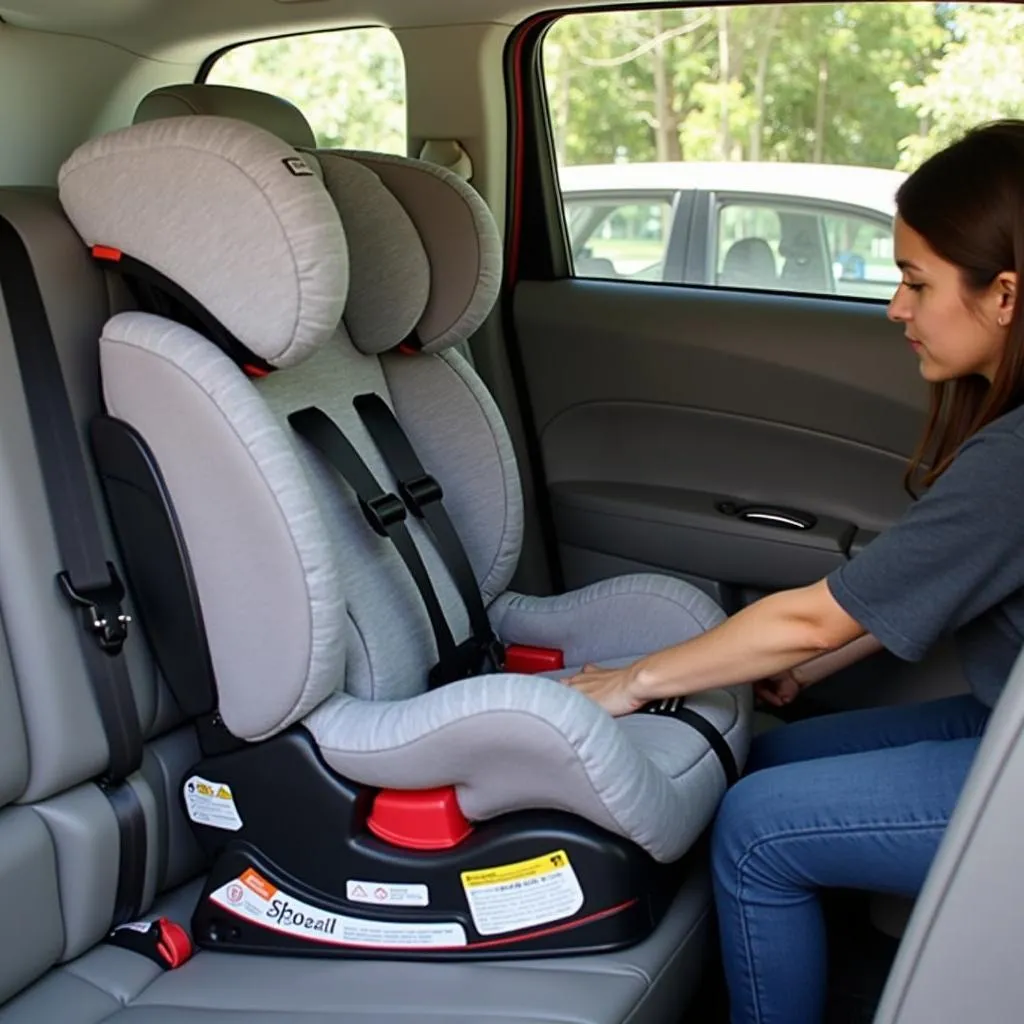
{"x": 523, "y": 895}
{"x": 253, "y": 898}
{"x": 211, "y": 803}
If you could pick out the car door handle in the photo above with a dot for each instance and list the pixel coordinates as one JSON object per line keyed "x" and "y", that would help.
{"x": 787, "y": 519}
{"x": 770, "y": 515}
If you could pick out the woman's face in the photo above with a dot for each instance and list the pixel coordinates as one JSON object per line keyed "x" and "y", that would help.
{"x": 954, "y": 334}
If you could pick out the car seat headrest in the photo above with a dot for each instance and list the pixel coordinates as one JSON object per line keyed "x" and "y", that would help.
{"x": 458, "y": 235}
{"x": 275, "y": 115}
{"x": 389, "y": 272}
{"x": 226, "y": 212}
{"x": 748, "y": 261}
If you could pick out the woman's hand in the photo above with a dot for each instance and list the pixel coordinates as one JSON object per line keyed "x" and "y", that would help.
{"x": 778, "y": 690}
{"x": 613, "y": 688}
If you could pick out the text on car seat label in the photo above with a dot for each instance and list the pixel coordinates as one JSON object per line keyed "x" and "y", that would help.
{"x": 253, "y": 898}
{"x": 523, "y": 895}
{"x": 211, "y": 803}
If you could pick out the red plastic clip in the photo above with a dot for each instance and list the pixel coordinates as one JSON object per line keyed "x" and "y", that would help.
{"x": 530, "y": 661}
{"x": 174, "y": 944}
{"x": 107, "y": 252}
{"x": 163, "y": 941}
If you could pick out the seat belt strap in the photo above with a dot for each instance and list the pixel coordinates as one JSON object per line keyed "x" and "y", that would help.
{"x": 386, "y": 515}
{"x": 673, "y": 707}
{"x": 89, "y": 582}
{"x": 424, "y": 497}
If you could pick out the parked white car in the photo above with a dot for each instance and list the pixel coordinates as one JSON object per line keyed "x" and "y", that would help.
{"x": 819, "y": 228}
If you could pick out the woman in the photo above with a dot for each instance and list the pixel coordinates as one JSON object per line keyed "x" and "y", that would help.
{"x": 861, "y": 800}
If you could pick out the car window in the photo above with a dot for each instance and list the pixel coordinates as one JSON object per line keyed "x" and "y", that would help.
{"x": 816, "y": 249}
{"x": 612, "y": 238}
{"x": 749, "y": 237}
{"x": 861, "y": 251}
{"x": 825, "y": 107}
{"x": 349, "y": 83}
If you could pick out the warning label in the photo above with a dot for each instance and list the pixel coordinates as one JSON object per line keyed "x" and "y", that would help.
{"x": 387, "y": 894}
{"x": 253, "y": 898}
{"x": 522, "y": 895}
{"x": 211, "y": 803}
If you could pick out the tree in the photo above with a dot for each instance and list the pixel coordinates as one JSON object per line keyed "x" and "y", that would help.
{"x": 773, "y": 81}
{"x": 979, "y": 77}
{"x": 350, "y": 84}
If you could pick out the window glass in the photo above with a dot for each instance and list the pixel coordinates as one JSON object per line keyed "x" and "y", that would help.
{"x": 806, "y": 116}
{"x": 862, "y": 256}
{"x": 350, "y": 84}
{"x": 612, "y": 239}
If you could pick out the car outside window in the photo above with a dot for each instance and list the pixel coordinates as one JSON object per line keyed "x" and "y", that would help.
{"x": 786, "y": 129}
{"x": 615, "y": 239}
{"x": 349, "y": 83}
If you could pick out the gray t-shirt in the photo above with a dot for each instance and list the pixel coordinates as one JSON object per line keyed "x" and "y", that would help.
{"x": 953, "y": 564}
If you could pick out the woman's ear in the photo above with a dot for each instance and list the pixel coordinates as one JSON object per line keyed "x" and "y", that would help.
{"x": 1006, "y": 295}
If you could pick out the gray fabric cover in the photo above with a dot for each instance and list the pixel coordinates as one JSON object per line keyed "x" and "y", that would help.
{"x": 263, "y": 563}
{"x": 276, "y": 115}
{"x": 273, "y": 271}
{"x": 501, "y": 740}
{"x": 620, "y": 617}
{"x": 387, "y": 661}
{"x": 458, "y": 433}
{"x": 389, "y": 274}
{"x": 461, "y": 240}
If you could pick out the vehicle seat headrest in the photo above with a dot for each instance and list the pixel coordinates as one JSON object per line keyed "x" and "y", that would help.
{"x": 749, "y": 261}
{"x": 228, "y": 213}
{"x": 273, "y": 114}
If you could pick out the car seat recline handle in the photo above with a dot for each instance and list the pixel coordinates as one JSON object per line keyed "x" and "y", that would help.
{"x": 770, "y": 515}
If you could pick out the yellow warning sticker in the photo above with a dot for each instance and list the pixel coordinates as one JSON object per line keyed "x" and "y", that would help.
{"x": 211, "y": 803}
{"x": 526, "y": 894}
{"x": 514, "y": 872}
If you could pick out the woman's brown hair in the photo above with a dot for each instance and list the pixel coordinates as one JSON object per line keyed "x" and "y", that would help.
{"x": 967, "y": 202}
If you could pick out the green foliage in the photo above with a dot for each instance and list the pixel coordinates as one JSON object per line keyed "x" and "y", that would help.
{"x": 350, "y": 84}
{"x": 876, "y": 84}
{"x": 979, "y": 78}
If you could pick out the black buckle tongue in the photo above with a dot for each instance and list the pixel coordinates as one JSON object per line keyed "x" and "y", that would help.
{"x": 102, "y": 614}
{"x": 419, "y": 492}
{"x": 382, "y": 512}
{"x": 473, "y": 657}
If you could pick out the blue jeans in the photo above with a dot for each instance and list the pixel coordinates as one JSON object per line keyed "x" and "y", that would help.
{"x": 857, "y": 800}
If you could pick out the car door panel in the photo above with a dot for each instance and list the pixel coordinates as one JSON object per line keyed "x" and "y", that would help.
{"x": 655, "y": 405}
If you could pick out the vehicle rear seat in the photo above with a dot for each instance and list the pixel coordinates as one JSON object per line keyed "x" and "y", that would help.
{"x": 58, "y": 835}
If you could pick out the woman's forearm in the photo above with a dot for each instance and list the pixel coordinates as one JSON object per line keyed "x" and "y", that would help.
{"x": 765, "y": 638}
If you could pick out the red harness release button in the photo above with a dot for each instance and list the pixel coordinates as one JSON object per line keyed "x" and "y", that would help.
{"x": 421, "y": 819}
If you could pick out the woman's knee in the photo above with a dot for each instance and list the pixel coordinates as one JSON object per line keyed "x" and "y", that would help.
{"x": 744, "y": 816}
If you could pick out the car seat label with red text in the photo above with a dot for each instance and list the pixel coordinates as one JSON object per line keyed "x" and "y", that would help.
{"x": 252, "y": 898}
